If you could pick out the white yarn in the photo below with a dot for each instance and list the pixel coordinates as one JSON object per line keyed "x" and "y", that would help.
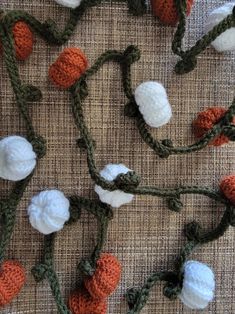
{"x": 48, "y": 211}
{"x": 198, "y": 285}
{"x": 115, "y": 198}
{"x": 69, "y": 3}
{"x": 17, "y": 158}
{"x": 151, "y": 97}
{"x": 226, "y": 41}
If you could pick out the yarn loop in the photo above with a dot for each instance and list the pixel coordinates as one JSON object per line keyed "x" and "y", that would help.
{"x": 129, "y": 179}
{"x": 174, "y": 204}
{"x": 131, "y": 54}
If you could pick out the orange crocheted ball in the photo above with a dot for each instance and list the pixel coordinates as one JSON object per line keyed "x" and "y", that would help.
{"x": 12, "y": 279}
{"x": 69, "y": 66}
{"x": 206, "y": 120}
{"x": 227, "y": 186}
{"x": 166, "y": 10}
{"x": 80, "y": 302}
{"x": 24, "y": 40}
{"x": 106, "y": 277}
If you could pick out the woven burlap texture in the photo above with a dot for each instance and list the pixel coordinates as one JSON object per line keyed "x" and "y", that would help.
{"x": 144, "y": 235}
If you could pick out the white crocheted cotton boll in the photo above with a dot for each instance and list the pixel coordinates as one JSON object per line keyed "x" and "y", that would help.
{"x": 17, "y": 158}
{"x": 115, "y": 198}
{"x": 69, "y": 3}
{"x": 198, "y": 285}
{"x": 226, "y": 41}
{"x": 48, "y": 211}
{"x": 151, "y": 98}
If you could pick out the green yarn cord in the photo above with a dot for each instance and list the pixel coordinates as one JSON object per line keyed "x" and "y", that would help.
{"x": 189, "y": 57}
{"x": 46, "y": 270}
{"x": 163, "y": 148}
{"x": 129, "y": 182}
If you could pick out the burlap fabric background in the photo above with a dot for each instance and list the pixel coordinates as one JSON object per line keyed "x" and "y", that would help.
{"x": 144, "y": 235}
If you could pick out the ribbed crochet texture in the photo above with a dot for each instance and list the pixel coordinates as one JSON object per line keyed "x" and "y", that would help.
{"x": 129, "y": 182}
{"x": 12, "y": 279}
{"x": 167, "y": 12}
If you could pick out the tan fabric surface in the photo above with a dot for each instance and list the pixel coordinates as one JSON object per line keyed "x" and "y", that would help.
{"x": 144, "y": 235}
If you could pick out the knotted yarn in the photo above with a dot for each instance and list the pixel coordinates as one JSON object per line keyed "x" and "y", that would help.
{"x": 198, "y": 285}
{"x": 115, "y": 198}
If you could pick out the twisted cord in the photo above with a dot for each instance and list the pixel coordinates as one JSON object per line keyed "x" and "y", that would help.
{"x": 189, "y": 57}
{"x": 45, "y": 270}
{"x": 9, "y": 214}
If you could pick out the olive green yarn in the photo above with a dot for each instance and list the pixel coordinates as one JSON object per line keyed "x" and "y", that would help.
{"x": 189, "y": 57}
{"x": 130, "y": 182}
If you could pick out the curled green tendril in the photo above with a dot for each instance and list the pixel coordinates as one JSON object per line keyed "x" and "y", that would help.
{"x": 129, "y": 182}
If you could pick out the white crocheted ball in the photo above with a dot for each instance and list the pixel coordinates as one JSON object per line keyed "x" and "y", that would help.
{"x": 115, "y": 198}
{"x": 69, "y": 3}
{"x": 226, "y": 41}
{"x": 17, "y": 158}
{"x": 198, "y": 285}
{"x": 48, "y": 211}
{"x": 151, "y": 97}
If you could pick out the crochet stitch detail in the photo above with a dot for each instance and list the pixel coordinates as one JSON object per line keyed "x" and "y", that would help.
{"x": 166, "y": 10}
{"x": 69, "y": 66}
{"x": 80, "y": 302}
{"x": 12, "y": 279}
{"x": 205, "y": 122}
{"x": 227, "y": 186}
{"x": 106, "y": 277}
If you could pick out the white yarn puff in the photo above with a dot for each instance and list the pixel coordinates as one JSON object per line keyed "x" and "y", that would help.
{"x": 69, "y": 3}
{"x": 17, "y": 158}
{"x": 226, "y": 41}
{"x": 151, "y": 97}
{"x": 48, "y": 211}
{"x": 115, "y": 198}
{"x": 198, "y": 285}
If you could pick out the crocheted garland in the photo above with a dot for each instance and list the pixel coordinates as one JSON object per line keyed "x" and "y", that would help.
{"x": 50, "y": 210}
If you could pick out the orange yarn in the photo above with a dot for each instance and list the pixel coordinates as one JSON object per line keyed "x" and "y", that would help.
{"x": 106, "y": 277}
{"x": 227, "y": 186}
{"x": 80, "y": 302}
{"x": 69, "y": 66}
{"x": 12, "y": 279}
{"x": 206, "y": 120}
{"x": 24, "y": 40}
{"x": 166, "y": 11}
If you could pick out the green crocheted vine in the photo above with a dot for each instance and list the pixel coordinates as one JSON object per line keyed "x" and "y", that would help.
{"x": 163, "y": 148}
{"x": 129, "y": 182}
{"x": 189, "y": 57}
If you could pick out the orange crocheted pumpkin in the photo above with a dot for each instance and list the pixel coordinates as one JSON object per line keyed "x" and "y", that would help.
{"x": 106, "y": 277}
{"x": 12, "y": 279}
{"x": 80, "y": 302}
{"x": 23, "y": 38}
{"x": 166, "y": 10}
{"x": 69, "y": 66}
{"x": 206, "y": 120}
{"x": 227, "y": 186}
